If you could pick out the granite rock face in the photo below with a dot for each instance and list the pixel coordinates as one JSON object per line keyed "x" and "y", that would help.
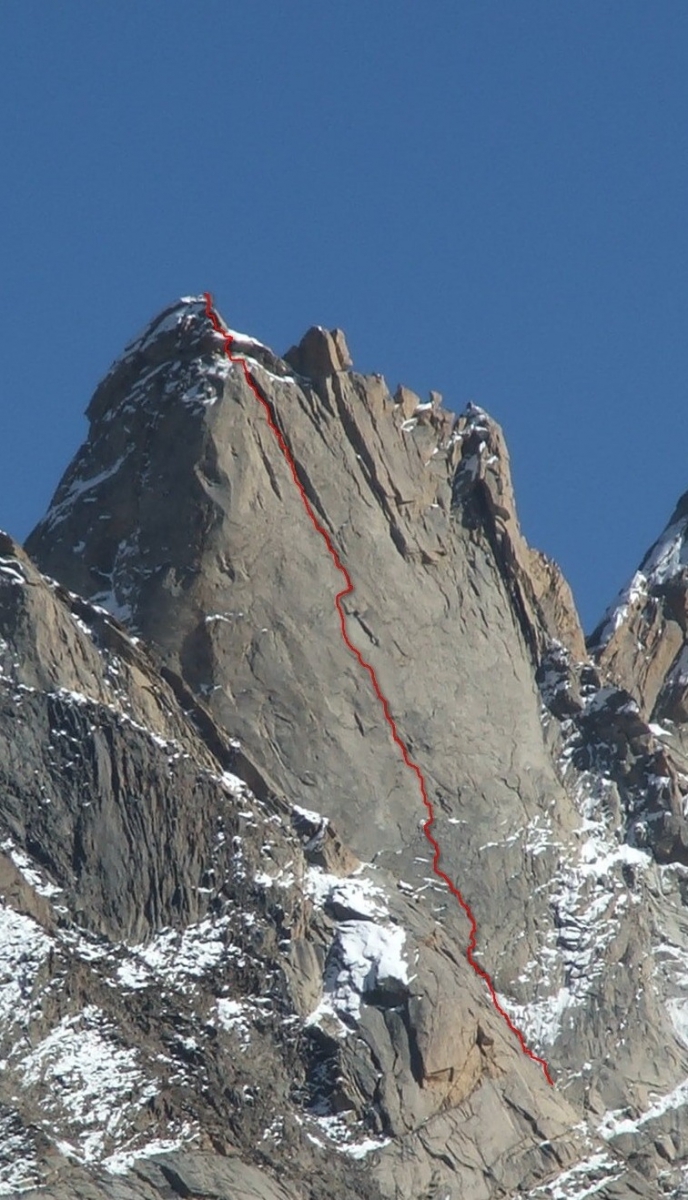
{"x": 200, "y": 981}
{"x": 219, "y": 846}
{"x": 320, "y": 353}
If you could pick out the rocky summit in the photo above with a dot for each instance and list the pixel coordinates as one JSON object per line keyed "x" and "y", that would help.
{"x": 233, "y": 966}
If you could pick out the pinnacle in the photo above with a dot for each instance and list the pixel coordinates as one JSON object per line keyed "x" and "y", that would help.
{"x": 320, "y": 353}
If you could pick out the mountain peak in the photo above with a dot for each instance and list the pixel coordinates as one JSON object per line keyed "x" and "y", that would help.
{"x": 225, "y": 797}
{"x": 180, "y": 401}
{"x": 180, "y": 314}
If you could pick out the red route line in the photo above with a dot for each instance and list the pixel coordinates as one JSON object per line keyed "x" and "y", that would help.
{"x": 412, "y": 766}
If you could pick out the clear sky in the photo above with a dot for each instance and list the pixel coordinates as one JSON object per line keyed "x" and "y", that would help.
{"x": 489, "y": 197}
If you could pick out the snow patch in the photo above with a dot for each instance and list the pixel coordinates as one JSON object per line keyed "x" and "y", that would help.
{"x": 123, "y": 1161}
{"x": 175, "y": 957}
{"x": 585, "y": 1179}
{"x": 364, "y": 954}
{"x": 541, "y": 1020}
{"x": 616, "y": 1122}
{"x": 587, "y": 895}
{"x": 23, "y": 948}
{"x": 308, "y": 814}
{"x": 12, "y": 571}
{"x": 677, "y": 677}
{"x": 253, "y": 364}
{"x": 666, "y": 559}
{"x": 18, "y": 1164}
{"x": 244, "y": 338}
{"x": 342, "y": 1137}
{"x": 232, "y": 784}
{"x": 79, "y": 488}
{"x": 678, "y": 1014}
{"x": 181, "y": 316}
{"x": 92, "y": 1084}
{"x": 26, "y": 868}
{"x": 367, "y": 948}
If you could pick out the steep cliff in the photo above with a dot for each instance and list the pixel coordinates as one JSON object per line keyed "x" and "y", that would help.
{"x": 641, "y": 639}
{"x": 558, "y": 807}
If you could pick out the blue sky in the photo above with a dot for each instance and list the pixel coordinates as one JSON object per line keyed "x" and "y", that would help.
{"x": 489, "y": 197}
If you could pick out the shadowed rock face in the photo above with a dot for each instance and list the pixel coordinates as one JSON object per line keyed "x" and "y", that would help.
{"x": 228, "y": 778}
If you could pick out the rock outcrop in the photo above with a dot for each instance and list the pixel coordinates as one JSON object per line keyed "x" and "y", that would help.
{"x": 320, "y": 353}
{"x": 245, "y": 907}
{"x": 641, "y": 640}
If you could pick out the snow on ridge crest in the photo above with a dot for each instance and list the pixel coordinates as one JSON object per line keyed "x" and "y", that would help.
{"x": 181, "y": 314}
{"x": 663, "y": 562}
{"x": 182, "y": 317}
{"x": 188, "y": 319}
